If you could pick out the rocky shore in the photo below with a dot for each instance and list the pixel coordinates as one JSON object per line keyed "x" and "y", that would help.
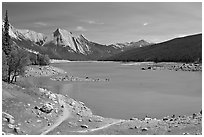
{"x": 34, "y": 111}
{"x": 38, "y": 71}
{"x": 57, "y": 114}
{"x": 72, "y": 78}
{"x": 173, "y": 66}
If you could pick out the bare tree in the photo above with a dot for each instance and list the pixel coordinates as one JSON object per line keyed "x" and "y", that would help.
{"x": 17, "y": 62}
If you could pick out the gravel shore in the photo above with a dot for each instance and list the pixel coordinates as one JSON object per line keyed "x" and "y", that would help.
{"x": 38, "y": 71}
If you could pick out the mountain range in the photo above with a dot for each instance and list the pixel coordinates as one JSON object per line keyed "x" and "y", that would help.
{"x": 183, "y": 49}
{"x": 68, "y": 46}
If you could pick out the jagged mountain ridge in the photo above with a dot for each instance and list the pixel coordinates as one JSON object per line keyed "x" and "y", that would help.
{"x": 127, "y": 45}
{"x": 66, "y": 45}
{"x": 27, "y": 35}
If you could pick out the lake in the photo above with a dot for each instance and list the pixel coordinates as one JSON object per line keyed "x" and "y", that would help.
{"x": 131, "y": 92}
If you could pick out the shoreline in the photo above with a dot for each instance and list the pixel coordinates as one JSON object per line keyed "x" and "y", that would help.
{"x": 81, "y": 120}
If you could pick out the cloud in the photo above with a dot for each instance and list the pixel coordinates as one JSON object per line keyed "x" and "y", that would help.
{"x": 92, "y": 22}
{"x": 40, "y": 24}
{"x": 80, "y": 28}
{"x": 145, "y": 24}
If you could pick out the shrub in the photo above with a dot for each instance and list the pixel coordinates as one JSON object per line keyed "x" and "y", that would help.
{"x": 43, "y": 59}
{"x": 17, "y": 62}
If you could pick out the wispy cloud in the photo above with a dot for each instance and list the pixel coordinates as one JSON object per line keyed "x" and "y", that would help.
{"x": 80, "y": 28}
{"x": 92, "y": 22}
{"x": 145, "y": 24}
{"x": 40, "y": 24}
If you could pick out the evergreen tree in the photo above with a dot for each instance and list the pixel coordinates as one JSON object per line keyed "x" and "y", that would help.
{"x": 6, "y": 45}
{"x": 4, "y": 67}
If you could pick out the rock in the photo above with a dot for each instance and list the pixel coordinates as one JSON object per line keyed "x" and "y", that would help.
{"x": 80, "y": 120}
{"x": 5, "y": 119}
{"x": 173, "y": 116}
{"x": 72, "y": 103}
{"x": 84, "y": 126}
{"x": 133, "y": 118}
{"x": 90, "y": 120}
{"x": 142, "y": 68}
{"x": 147, "y": 119}
{"x": 9, "y": 117}
{"x": 194, "y": 115}
{"x": 12, "y": 121}
{"x": 49, "y": 124}
{"x": 78, "y": 114}
{"x": 81, "y": 103}
{"x": 171, "y": 119}
{"x": 46, "y": 108}
{"x": 38, "y": 121}
{"x": 185, "y": 133}
{"x": 36, "y": 107}
{"x": 17, "y": 129}
{"x": 11, "y": 126}
{"x": 165, "y": 118}
{"x": 144, "y": 129}
{"x": 56, "y": 111}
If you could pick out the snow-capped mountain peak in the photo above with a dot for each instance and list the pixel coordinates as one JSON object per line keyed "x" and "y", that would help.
{"x": 32, "y": 35}
{"x": 26, "y": 34}
{"x": 66, "y": 38}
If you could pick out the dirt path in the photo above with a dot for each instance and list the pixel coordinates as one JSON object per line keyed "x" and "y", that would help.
{"x": 95, "y": 129}
{"x": 61, "y": 118}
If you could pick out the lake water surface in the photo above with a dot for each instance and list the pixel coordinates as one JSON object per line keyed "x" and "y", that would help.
{"x": 132, "y": 92}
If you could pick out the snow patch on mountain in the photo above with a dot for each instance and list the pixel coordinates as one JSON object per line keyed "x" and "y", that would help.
{"x": 21, "y": 34}
{"x": 32, "y": 35}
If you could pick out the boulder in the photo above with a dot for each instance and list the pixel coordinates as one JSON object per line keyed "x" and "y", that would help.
{"x": 9, "y": 118}
{"x": 144, "y": 129}
{"x": 133, "y": 118}
{"x": 46, "y": 108}
{"x": 11, "y": 126}
{"x": 84, "y": 126}
{"x": 17, "y": 130}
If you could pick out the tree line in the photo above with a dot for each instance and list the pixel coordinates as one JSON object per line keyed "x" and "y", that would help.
{"x": 14, "y": 58}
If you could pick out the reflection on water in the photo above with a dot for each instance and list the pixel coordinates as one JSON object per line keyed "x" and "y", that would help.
{"x": 130, "y": 91}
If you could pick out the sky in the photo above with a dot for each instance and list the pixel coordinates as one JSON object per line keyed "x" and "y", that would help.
{"x": 108, "y": 23}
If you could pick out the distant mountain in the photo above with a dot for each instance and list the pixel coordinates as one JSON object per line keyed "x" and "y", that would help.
{"x": 184, "y": 49}
{"x": 66, "y": 45}
{"x": 128, "y": 45}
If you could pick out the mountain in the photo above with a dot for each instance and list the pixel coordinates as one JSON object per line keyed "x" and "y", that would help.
{"x": 183, "y": 49}
{"x": 27, "y": 35}
{"x": 66, "y": 45}
{"x": 128, "y": 45}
